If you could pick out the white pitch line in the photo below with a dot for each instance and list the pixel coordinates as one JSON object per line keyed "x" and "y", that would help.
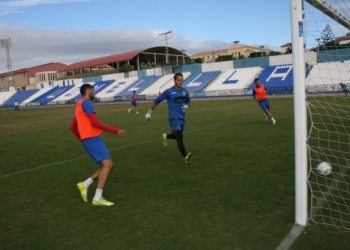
{"x": 290, "y": 238}
{"x": 126, "y": 146}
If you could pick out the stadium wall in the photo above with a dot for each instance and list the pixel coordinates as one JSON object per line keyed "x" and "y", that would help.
{"x": 333, "y": 55}
{"x": 92, "y": 79}
{"x": 193, "y": 68}
{"x": 223, "y": 66}
{"x": 251, "y": 62}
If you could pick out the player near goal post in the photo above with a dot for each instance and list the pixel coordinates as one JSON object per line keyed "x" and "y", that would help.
{"x": 345, "y": 88}
{"x": 178, "y": 103}
{"x": 259, "y": 94}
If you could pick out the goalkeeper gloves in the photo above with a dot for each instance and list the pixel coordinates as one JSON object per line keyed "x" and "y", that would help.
{"x": 184, "y": 108}
{"x": 148, "y": 115}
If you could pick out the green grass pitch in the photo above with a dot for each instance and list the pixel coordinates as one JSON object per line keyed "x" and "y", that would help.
{"x": 238, "y": 193}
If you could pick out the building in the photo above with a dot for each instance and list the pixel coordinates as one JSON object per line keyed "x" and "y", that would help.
{"x": 285, "y": 47}
{"x": 138, "y": 59}
{"x": 235, "y": 50}
{"x": 28, "y": 78}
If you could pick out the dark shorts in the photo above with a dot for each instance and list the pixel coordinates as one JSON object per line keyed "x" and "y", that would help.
{"x": 96, "y": 148}
{"x": 345, "y": 90}
{"x": 264, "y": 104}
{"x": 177, "y": 124}
{"x": 134, "y": 103}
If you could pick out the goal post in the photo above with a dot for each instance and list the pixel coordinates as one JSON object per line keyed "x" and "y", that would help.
{"x": 321, "y": 69}
{"x": 300, "y": 123}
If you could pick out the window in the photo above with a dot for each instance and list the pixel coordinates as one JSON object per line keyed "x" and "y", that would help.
{"x": 41, "y": 85}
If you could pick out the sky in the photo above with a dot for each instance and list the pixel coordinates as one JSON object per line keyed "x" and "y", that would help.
{"x": 68, "y": 31}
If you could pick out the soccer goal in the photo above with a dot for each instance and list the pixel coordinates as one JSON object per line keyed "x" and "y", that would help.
{"x": 321, "y": 37}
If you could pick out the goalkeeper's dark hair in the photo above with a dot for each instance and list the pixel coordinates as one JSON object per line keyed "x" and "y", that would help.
{"x": 85, "y": 87}
{"x": 177, "y": 74}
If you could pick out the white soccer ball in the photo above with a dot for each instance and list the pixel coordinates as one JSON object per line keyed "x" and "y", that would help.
{"x": 324, "y": 168}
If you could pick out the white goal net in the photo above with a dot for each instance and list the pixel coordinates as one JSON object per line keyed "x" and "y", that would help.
{"x": 327, "y": 38}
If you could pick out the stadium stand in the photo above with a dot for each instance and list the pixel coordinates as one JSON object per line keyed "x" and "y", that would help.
{"x": 34, "y": 96}
{"x": 334, "y": 72}
{"x": 235, "y": 79}
{"x": 20, "y": 96}
{"x": 277, "y": 78}
{"x": 141, "y": 84}
{"x": 198, "y": 81}
{"x": 116, "y": 87}
{"x": 156, "y": 86}
{"x": 98, "y": 87}
{"x": 52, "y": 94}
{"x": 170, "y": 83}
{"x": 4, "y": 96}
{"x": 69, "y": 95}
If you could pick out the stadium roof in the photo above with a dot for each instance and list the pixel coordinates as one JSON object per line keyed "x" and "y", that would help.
{"x": 118, "y": 58}
{"x": 102, "y": 60}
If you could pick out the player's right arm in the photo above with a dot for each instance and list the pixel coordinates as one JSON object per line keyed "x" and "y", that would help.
{"x": 156, "y": 101}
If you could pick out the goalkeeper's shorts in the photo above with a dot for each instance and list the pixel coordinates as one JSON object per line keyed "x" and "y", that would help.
{"x": 177, "y": 124}
{"x": 264, "y": 104}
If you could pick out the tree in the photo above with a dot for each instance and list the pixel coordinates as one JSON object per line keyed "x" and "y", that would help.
{"x": 198, "y": 60}
{"x": 327, "y": 36}
{"x": 288, "y": 51}
{"x": 224, "y": 58}
{"x": 275, "y": 53}
{"x": 126, "y": 68}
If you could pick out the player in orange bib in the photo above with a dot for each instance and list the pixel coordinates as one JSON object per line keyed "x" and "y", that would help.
{"x": 88, "y": 129}
{"x": 259, "y": 94}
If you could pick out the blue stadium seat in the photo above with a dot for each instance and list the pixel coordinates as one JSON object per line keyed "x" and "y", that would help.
{"x": 141, "y": 84}
{"x": 20, "y": 96}
{"x": 276, "y": 78}
{"x": 52, "y": 94}
{"x": 198, "y": 81}
{"x": 98, "y": 87}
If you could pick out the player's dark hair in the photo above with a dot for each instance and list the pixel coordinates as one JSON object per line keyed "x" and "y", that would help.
{"x": 256, "y": 79}
{"x": 176, "y": 75}
{"x": 84, "y": 87}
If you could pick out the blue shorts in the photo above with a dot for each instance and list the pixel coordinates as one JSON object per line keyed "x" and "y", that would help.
{"x": 96, "y": 148}
{"x": 264, "y": 104}
{"x": 345, "y": 90}
{"x": 177, "y": 124}
{"x": 134, "y": 103}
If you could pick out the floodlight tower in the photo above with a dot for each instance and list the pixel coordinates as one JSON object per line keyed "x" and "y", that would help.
{"x": 7, "y": 44}
{"x": 166, "y": 44}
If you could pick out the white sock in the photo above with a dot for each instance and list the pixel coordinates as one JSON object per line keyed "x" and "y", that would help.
{"x": 98, "y": 194}
{"x": 272, "y": 119}
{"x": 88, "y": 182}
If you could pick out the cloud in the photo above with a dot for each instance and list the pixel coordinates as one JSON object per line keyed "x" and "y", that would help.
{"x": 12, "y": 6}
{"x": 32, "y": 47}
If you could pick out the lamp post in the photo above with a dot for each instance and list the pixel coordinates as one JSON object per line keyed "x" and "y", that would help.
{"x": 183, "y": 56}
{"x": 166, "y": 45}
{"x": 261, "y": 47}
{"x": 318, "y": 44}
{"x": 235, "y": 42}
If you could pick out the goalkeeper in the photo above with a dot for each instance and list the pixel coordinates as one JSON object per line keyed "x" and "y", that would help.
{"x": 178, "y": 103}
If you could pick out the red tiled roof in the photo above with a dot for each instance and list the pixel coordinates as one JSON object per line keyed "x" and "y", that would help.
{"x": 102, "y": 60}
{"x": 41, "y": 68}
